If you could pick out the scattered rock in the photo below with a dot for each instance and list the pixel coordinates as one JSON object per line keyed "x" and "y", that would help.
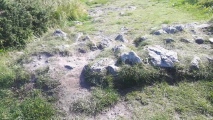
{"x": 130, "y": 58}
{"x": 195, "y": 63}
{"x": 211, "y": 40}
{"x": 199, "y": 40}
{"x": 170, "y": 30}
{"x": 168, "y": 40}
{"x": 162, "y": 57}
{"x": 68, "y": 67}
{"x": 210, "y": 59}
{"x": 102, "y": 64}
{"x": 159, "y": 32}
{"x": 82, "y": 50}
{"x": 60, "y": 33}
{"x": 112, "y": 69}
{"x": 104, "y": 44}
{"x": 84, "y": 38}
{"x": 185, "y": 40}
{"x": 119, "y": 48}
{"x": 121, "y": 38}
{"x": 132, "y": 7}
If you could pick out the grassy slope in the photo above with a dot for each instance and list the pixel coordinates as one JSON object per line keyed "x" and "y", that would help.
{"x": 186, "y": 100}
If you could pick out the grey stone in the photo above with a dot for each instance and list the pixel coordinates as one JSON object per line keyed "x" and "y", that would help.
{"x": 195, "y": 63}
{"x": 119, "y": 48}
{"x": 84, "y": 38}
{"x": 168, "y": 40}
{"x": 121, "y": 38}
{"x": 185, "y": 40}
{"x": 130, "y": 58}
{"x": 170, "y": 30}
{"x": 159, "y": 32}
{"x": 104, "y": 44}
{"x": 211, "y": 40}
{"x": 101, "y": 65}
{"x": 112, "y": 69}
{"x": 199, "y": 40}
{"x": 179, "y": 27}
{"x": 60, "y": 33}
{"x": 68, "y": 67}
{"x": 162, "y": 57}
{"x": 82, "y": 50}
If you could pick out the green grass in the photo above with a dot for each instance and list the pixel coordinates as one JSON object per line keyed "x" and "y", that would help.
{"x": 185, "y": 100}
{"x": 100, "y": 100}
{"x": 17, "y": 101}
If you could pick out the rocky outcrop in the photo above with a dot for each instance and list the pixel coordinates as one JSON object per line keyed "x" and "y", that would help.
{"x": 130, "y": 58}
{"x": 162, "y": 57}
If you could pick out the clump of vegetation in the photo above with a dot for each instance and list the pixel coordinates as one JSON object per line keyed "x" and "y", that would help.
{"x": 19, "y": 20}
{"x": 100, "y": 100}
{"x": 100, "y": 79}
{"x": 130, "y": 76}
{"x": 36, "y": 108}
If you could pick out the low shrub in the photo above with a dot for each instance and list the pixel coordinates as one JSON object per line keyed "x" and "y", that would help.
{"x": 19, "y": 20}
{"x": 130, "y": 76}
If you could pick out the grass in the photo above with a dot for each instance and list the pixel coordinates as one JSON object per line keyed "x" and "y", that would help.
{"x": 100, "y": 100}
{"x": 185, "y": 100}
{"x": 17, "y": 100}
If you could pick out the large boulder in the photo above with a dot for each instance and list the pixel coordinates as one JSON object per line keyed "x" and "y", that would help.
{"x": 162, "y": 57}
{"x": 130, "y": 58}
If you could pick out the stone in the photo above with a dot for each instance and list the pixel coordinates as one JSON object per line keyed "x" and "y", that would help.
{"x": 170, "y": 30}
{"x": 82, "y": 50}
{"x": 84, "y": 38}
{"x": 68, "y": 67}
{"x": 104, "y": 44}
{"x": 185, "y": 40}
{"x": 199, "y": 40}
{"x": 159, "y": 32}
{"x": 168, "y": 40}
{"x": 119, "y": 48}
{"x": 121, "y": 38}
{"x": 162, "y": 57}
{"x": 130, "y": 58}
{"x": 210, "y": 59}
{"x": 112, "y": 69}
{"x": 179, "y": 27}
{"x": 101, "y": 65}
{"x": 195, "y": 63}
{"x": 60, "y": 33}
{"x": 211, "y": 40}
